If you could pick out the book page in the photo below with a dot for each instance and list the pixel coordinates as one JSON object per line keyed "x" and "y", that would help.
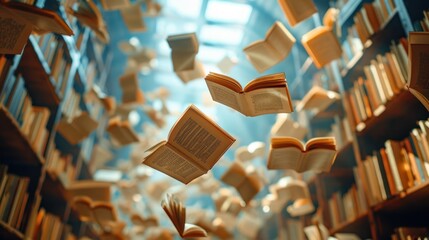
{"x": 418, "y": 62}
{"x": 198, "y": 137}
{"x": 319, "y": 160}
{"x": 15, "y": 32}
{"x": 226, "y": 96}
{"x": 192, "y": 230}
{"x": 280, "y": 39}
{"x": 267, "y": 101}
{"x": 321, "y": 45}
{"x": 262, "y": 55}
{"x": 296, "y": 11}
{"x": 284, "y": 158}
{"x": 166, "y": 160}
{"x": 133, "y": 18}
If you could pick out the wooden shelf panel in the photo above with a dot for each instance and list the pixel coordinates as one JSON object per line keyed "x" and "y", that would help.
{"x": 14, "y": 146}
{"x": 391, "y": 124}
{"x": 8, "y": 232}
{"x": 359, "y": 225}
{"x": 378, "y": 44}
{"x": 412, "y": 201}
{"x": 36, "y": 73}
{"x": 53, "y": 189}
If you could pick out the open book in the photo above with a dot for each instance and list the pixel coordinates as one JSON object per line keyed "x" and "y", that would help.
{"x": 176, "y": 211}
{"x": 418, "y": 55}
{"x": 77, "y": 129}
{"x": 43, "y": 20}
{"x": 297, "y": 11}
{"x": 89, "y": 15}
{"x": 133, "y": 18}
{"x": 318, "y": 98}
{"x": 263, "y": 95}
{"x": 317, "y": 154}
{"x": 103, "y": 213}
{"x": 286, "y": 126}
{"x": 264, "y": 54}
{"x": 121, "y": 131}
{"x": 246, "y": 181}
{"x": 184, "y": 48}
{"x": 322, "y": 45}
{"x": 132, "y": 95}
{"x": 195, "y": 143}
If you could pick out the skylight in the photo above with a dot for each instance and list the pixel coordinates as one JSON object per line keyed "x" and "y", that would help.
{"x": 190, "y": 9}
{"x": 213, "y": 34}
{"x": 228, "y": 12}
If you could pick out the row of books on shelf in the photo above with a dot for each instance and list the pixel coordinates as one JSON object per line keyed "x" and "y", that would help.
{"x": 384, "y": 78}
{"x": 367, "y": 21}
{"x": 55, "y": 53}
{"x": 399, "y": 165}
{"x": 50, "y": 226}
{"x": 423, "y": 24}
{"x": 348, "y": 206}
{"x": 60, "y": 165}
{"x": 14, "y": 198}
{"x": 405, "y": 233}
{"x": 341, "y": 131}
{"x": 31, "y": 119}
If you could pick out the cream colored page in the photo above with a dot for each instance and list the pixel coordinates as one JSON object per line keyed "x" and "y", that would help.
{"x": 281, "y": 40}
{"x": 192, "y": 230}
{"x": 319, "y": 160}
{"x": 15, "y": 32}
{"x": 199, "y": 138}
{"x": 284, "y": 158}
{"x": 262, "y": 55}
{"x": 166, "y": 160}
{"x": 267, "y": 101}
{"x": 225, "y": 96}
{"x": 133, "y": 18}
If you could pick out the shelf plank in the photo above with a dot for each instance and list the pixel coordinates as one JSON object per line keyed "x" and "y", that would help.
{"x": 412, "y": 200}
{"x": 359, "y": 225}
{"x": 8, "y": 232}
{"x": 14, "y": 145}
{"x": 53, "y": 189}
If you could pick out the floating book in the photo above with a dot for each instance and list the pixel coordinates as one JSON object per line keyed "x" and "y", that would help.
{"x": 264, "y": 54}
{"x": 95, "y": 190}
{"x": 321, "y": 45}
{"x": 418, "y": 53}
{"x": 114, "y": 4}
{"x": 194, "y": 145}
{"x": 133, "y": 18}
{"x": 246, "y": 181}
{"x": 121, "y": 131}
{"x": 317, "y": 98}
{"x": 318, "y": 154}
{"x": 139, "y": 220}
{"x": 227, "y": 63}
{"x": 297, "y": 11}
{"x": 103, "y": 213}
{"x": 286, "y": 126}
{"x": 132, "y": 95}
{"x": 79, "y": 128}
{"x": 184, "y": 48}
{"x": 22, "y": 19}
{"x": 300, "y": 207}
{"x": 89, "y": 15}
{"x": 263, "y": 95}
{"x": 43, "y": 20}
{"x": 249, "y": 152}
{"x": 188, "y": 75}
{"x": 176, "y": 211}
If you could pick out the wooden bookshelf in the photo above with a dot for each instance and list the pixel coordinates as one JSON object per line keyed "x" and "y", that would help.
{"x": 378, "y": 43}
{"x": 10, "y": 233}
{"x": 391, "y": 124}
{"x": 359, "y": 225}
{"x": 14, "y": 146}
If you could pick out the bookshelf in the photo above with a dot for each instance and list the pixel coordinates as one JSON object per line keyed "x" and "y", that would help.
{"x": 399, "y": 116}
{"x": 49, "y": 71}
